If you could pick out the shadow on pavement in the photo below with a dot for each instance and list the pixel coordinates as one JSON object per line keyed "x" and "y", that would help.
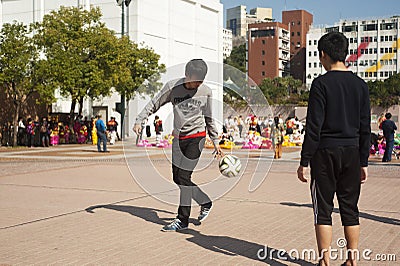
{"x": 364, "y": 215}
{"x": 237, "y": 247}
{"x": 222, "y": 244}
{"x": 147, "y": 214}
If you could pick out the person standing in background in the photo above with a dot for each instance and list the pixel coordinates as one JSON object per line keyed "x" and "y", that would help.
{"x": 101, "y": 134}
{"x": 388, "y": 127}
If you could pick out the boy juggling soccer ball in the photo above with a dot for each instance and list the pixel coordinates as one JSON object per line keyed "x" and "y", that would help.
{"x": 191, "y": 100}
{"x": 336, "y": 145}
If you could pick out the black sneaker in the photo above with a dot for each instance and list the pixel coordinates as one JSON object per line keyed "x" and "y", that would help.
{"x": 176, "y": 225}
{"x": 204, "y": 212}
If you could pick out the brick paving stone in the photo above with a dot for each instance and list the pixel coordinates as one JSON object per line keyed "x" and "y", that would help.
{"x": 44, "y": 221}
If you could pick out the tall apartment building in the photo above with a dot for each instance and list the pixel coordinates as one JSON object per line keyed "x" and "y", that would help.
{"x": 177, "y": 30}
{"x": 373, "y": 48}
{"x": 237, "y": 20}
{"x": 226, "y": 43}
{"x": 268, "y": 48}
{"x": 299, "y": 22}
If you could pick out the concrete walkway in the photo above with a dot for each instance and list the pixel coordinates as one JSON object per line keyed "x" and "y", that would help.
{"x": 70, "y": 205}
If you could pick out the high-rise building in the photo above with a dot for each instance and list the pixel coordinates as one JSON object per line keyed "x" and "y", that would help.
{"x": 299, "y": 22}
{"x": 268, "y": 50}
{"x": 373, "y": 48}
{"x": 177, "y": 30}
{"x": 227, "y": 43}
{"x": 237, "y": 20}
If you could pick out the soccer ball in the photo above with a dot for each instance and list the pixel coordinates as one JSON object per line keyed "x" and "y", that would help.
{"x": 230, "y": 165}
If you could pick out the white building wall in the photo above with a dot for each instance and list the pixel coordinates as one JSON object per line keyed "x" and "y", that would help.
{"x": 373, "y": 54}
{"x": 178, "y": 30}
{"x": 227, "y": 43}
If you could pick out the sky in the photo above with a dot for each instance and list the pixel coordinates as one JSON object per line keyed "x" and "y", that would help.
{"x": 325, "y": 12}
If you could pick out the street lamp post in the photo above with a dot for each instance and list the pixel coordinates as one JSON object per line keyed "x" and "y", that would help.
{"x": 121, "y": 106}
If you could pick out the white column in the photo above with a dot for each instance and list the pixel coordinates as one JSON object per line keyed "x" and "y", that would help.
{"x": 41, "y": 10}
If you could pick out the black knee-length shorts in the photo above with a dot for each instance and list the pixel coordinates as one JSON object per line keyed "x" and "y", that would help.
{"x": 336, "y": 171}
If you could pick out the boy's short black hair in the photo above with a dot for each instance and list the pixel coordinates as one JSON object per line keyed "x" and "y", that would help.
{"x": 334, "y": 44}
{"x": 388, "y": 115}
{"x": 196, "y": 67}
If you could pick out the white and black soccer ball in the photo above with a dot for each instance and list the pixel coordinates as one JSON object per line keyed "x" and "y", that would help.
{"x": 230, "y": 165}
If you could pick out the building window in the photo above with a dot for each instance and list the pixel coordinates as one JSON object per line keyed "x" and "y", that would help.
{"x": 315, "y": 42}
{"x": 362, "y": 51}
{"x": 298, "y": 33}
{"x": 315, "y": 53}
{"x": 386, "y": 50}
{"x": 381, "y": 74}
{"x": 362, "y": 39}
{"x": 382, "y": 38}
{"x": 390, "y": 50}
{"x": 309, "y": 42}
{"x": 375, "y": 50}
{"x": 390, "y": 38}
{"x": 315, "y": 64}
{"x": 263, "y": 52}
{"x": 386, "y": 38}
{"x": 263, "y": 73}
{"x": 382, "y": 51}
{"x": 309, "y": 65}
{"x": 350, "y": 40}
{"x": 263, "y": 63}
{"x": 263, "y": 41}
{"x": 292, "y": 33}
{"x": 298, "y": 23}
{"x": 375, "y": 39}
{"x": 309, "y": 53}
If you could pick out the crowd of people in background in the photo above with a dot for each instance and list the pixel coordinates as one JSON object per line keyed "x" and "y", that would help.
{"x": 275, "y": 129}
{"x": 52, "y": 131}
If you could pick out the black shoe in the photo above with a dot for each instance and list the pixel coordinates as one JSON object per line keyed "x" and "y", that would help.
{"x": 176, "y": 225}
{"x": 204, "y": 212}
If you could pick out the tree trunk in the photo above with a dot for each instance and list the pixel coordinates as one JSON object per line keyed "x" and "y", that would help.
{"x": 15, "y": 122}
{"x": 72, "y": 113}
{"x": 80, "y": 106}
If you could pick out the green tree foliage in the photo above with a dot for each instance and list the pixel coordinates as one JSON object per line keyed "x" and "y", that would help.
{"x": 138, "y": 69}
{"x": 385, "y": 93}
{"x": 285, "y": 90}
{"x": 237, "y": 58}
{"x": 21, "y": 73}
{"x": 86, "y": 59}
{"x": 79, "y": 52}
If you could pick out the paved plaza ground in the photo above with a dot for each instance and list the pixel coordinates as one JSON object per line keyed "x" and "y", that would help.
{"x": 69, "y": 205}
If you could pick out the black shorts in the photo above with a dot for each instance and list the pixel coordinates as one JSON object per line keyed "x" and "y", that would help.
{"x": 336, "y": 170}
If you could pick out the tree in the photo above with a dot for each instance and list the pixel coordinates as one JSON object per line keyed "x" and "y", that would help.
{"x": 385, "y": 93}
{"x": 237, "y": 58}
{"x": 21, "y": 71}
{"x": 86, "y": 59}
{"x": 138, "y": 69}
{"x": 286, "y": 90}
{"x": 81, "y": 55}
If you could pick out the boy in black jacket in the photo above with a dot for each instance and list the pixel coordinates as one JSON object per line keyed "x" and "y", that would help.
{"x": 336, "y": 145}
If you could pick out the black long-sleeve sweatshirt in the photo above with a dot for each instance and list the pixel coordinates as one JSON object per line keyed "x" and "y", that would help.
{"x": 338, "y": 115}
